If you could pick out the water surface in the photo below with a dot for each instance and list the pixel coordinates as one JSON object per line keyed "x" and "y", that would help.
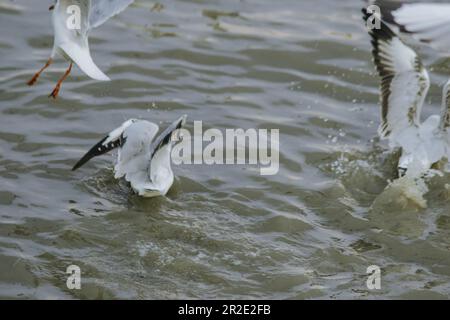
{"x": 311, "y": 231}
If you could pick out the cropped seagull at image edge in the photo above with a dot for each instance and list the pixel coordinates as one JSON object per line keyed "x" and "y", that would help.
{"x": 404, "y": 87}
{"x": 143, "y": 158}
{"x": 426, "y": 21}
{"x": 73, "y": 43}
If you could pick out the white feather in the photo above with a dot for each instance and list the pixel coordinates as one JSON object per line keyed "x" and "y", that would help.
{"x": 102, "y": 10}
{"x": 148, "y": 175}
{"x": 405, "y": 83}
{"x": 428, "y": 22}
{"x": 73, "y": 44}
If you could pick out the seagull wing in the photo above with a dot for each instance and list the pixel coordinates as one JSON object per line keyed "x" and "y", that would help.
{"x": 166, "y": 136}
{"x": 161, "y": 147}
{"x": 427, "y": 22}
{"x": 102, "y": 10}
{"x": 404, "y": 81}
{"x": 134, "y": 156}
{"x": 82, "y": 57}
{"x": 113, "y": 140}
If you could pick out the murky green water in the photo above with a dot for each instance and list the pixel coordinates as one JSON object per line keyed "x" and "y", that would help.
{"x": 311, "y": 231}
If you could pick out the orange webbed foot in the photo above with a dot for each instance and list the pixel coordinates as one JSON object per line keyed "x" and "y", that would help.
{"x": 33, "y": 80}
{"x": 55, "y": 92}
{"x": 37, "y": 75}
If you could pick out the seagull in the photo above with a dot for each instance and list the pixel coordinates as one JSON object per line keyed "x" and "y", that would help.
{"x": 143, "y": 158}
{"x": 404, "y": 86}
{"x": 428, "y": 22}
{"x": 71, "y": 35}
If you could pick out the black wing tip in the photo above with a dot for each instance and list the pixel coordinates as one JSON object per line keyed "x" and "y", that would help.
{"x": 387, "y": 8}
{"x": 98, "y": 150}
{"x": 88, "y": 156}
{"x": 383, "y": 32}
{"x": 167, "y": 138}
{"x": 365, "y": 14}
{"x": 179, "y": 124}
{"x": 182, "y": 121}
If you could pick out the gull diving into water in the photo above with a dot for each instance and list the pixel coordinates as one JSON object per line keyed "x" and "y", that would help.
{"x": 427, "y": 21}
{"x": 404, "y": 86}
{"x": 71, "y": 34}
{"x": 143, "y": 157}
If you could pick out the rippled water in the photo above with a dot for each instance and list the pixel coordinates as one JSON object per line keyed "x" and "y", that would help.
{"x": 311, "y": 231}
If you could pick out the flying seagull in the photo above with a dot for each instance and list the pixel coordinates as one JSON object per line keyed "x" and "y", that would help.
{"x": 143, "y": 158}
{"x": 404, "y": 86}
{"x": 71, "y": 33}
{"x": 427, "y": 21}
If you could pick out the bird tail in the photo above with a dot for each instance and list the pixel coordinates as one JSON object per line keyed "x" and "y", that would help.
{"x": 82, "y": 57}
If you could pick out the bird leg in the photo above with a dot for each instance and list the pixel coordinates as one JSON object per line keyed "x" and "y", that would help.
{"x": 36, "y": 76}
{"x": 55, "y": 91}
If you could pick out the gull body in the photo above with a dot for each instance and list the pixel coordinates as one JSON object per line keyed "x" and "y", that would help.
{"x": 422, "y": 147}
{"x": 71, "y": 41}
{"x": 73, "y": 44}
{"x": 144, "y": 156}
{"x": 404, "y": 86}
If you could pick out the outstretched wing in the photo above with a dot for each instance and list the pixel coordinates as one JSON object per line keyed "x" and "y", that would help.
{"x": 160, "y": 151}
{"x": 113, "y": 140}
{"x": 165, "y": 137}
{"x": 427, "y": 22}
{"x": 404, "y": 81}
{"x": 102, "y": 10}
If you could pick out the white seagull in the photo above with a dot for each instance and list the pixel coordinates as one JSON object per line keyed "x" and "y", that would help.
{"x": 404, "y": 86}
{"x": 143, "y": 158}
{"x": 72, "y": 21}
{"x": 428, "y": 22}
